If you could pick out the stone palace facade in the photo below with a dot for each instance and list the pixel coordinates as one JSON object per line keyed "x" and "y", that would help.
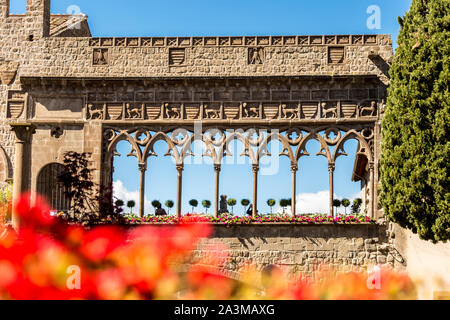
{"x": 64, "y": 90}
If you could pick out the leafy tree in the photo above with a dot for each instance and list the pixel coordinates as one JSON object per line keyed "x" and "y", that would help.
{"x": 156, "y": 204}
{"x": 131, "y": 204}
{"x": 193, "y": 203}
{"x": 415, "y": 161}
{"x": 337, "y": 203}
{"x": 232, "y": 202}
{"x": 245, "y": 203}
{"x": 356, "y": 206}
{"x": 345, "y": 203}
{"x": 78, "y": 185}
{"x": 169, "y": 204}
{"x": 90, "y": 203}
{"x": 206, "y": 204}
{"x": 271, "y": 203}
{"x": 284, "y": 203}
{"x": 119, "y": 203}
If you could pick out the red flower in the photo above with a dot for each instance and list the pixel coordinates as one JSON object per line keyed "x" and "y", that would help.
{"x": 35, "y": 215}
{"x": 98, "y": 243}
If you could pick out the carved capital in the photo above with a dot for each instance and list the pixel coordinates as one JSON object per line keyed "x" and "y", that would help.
{"x": 331, "y": 167}
{"x": 142, "y": 166}
{"x": 371, "y": 165}
{"x": 23, "y": 131}
{"x": 180, "y": 167}
{"x": 255, "y": 168}
{"x": 294, "y": 168}
{"x": 217, "y": 167}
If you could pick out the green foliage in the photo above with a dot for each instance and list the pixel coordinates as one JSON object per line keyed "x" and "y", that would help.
{"x": 193, "y": 203}
{"x": 245, "y": 203}
{"x": 415, "y": 163}
{"x": 119, "y": 203}
{"x": 169, "y": 204}
{"x": 356, "y": 205}
{"x": 206, "y": 204}
{"x": 78, "y": 185}
{"x": 337, "y": 203}
{"x": 284, "y": 203}
{"x": 271, "y": 203}
{"x": 231, "y": 202}
{"x": 90, "y": 202}
{"x": 345, "y": 203}
{"x": 5, "y": 194}
{"x": 131, "y": 204}
{"x": 156, "y": 204}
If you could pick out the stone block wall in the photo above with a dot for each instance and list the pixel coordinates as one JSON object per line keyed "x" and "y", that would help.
{"x": 301, "y": 248}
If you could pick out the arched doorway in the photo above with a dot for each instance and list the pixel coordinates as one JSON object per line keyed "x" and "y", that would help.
{"x": 49, "y": 186}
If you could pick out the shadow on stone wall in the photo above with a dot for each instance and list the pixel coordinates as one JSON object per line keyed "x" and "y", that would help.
{"x": 303, "y": 248}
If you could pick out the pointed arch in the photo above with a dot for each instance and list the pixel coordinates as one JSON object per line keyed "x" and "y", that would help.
{"x": 352, "y": 134}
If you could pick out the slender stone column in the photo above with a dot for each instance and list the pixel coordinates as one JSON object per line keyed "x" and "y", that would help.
{"x": 255, "y": 169}
{"x": 294, "y": 169}
{"x": 142, "y": 170}
{"x": 217, "y": 168}
{"x": 331, "y": 167}
{"x": 180, "y": 168}
{"x": 372, "y": 190}
{"x": 23, "y": 133}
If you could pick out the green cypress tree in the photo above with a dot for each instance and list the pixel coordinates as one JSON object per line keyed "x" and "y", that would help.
{"x": 415, "y": 144}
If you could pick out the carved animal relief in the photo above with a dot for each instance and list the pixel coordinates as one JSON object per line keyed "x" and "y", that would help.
{"x": 289, "y": 111}
{"x": 172, "y": 111}
{"x": 368, "y": 109}
{"x": 212, "y": 112}
{"x": 250, "y": 111}
{"x": 134, "y": 111}
{"x": 329, "y": 110}
{"x": 95, "y": 112}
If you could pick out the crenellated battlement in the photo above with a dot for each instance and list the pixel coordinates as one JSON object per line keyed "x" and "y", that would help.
{"x": 36, "y": 20}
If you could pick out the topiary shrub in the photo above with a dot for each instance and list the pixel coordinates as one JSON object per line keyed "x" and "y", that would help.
{"x": 415, "y": 130}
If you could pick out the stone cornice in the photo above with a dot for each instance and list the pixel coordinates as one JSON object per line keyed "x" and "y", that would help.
{"x": 236, "y": 41}
{"x": 33, "y": 79}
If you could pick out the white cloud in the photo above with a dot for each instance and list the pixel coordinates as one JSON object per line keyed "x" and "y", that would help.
{"x": 122, "y": 193}
{"x": 315, "y": 203}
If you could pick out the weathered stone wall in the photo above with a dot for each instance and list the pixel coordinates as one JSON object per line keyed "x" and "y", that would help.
{"x": 428, "y": 263}
{"x": 302, "y": 248}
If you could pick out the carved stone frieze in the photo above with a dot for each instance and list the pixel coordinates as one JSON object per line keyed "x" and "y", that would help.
{"x": 234, "y": 41}
{"x": 95, "y": 112}
{"x": 261, "y": 111}
{"x": 134, "y": 111}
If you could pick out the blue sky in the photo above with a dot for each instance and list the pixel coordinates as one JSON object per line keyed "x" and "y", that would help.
{"x": 243, "y": 17}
